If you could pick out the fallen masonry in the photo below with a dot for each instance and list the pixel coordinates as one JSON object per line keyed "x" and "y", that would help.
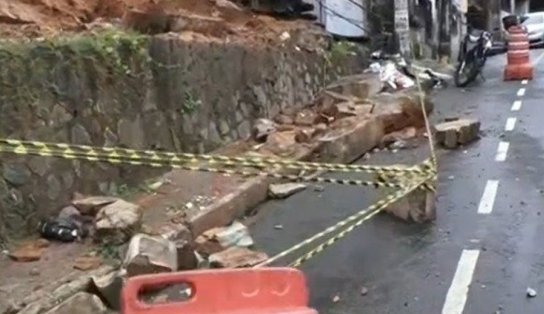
{"x": 166, "y": 232}
{"x": 458, "y": 132}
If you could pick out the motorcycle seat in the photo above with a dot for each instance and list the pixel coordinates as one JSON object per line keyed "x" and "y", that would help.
{"x": 474, "y": 35}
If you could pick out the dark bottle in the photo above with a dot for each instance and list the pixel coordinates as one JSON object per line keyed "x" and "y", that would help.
{"x": 60, "y": 230}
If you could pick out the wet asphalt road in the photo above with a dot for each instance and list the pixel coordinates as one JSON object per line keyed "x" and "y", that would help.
{"x": 410, "y": 268}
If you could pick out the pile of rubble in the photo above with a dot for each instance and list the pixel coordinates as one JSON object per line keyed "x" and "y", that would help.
{"x": 118, "y": 223}
{"x": 347, "y": 119}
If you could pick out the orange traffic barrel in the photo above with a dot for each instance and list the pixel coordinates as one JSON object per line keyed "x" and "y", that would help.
{"x": 521, "y": 45}
{"x": 518, "y": 62}
{"x": 516, "y": 30}
{"x": 515, "y": 57}
{"x": 518, "y": 37}
{"x": 223, "y": 291}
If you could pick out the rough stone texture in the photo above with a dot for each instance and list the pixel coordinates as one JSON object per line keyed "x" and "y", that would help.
{"x": 419, "y": 206}
{"x": 285, "y": 190}
{"x": 117, "y": 222}
{"x": 81, "y": 303}
{"x": 227, "y": 86}
{"x": 149, "y": 255}
{"x": 459, "y": 132}
{"x": 235, "y": 257}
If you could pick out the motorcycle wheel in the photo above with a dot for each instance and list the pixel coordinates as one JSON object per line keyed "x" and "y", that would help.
{"x": 465, "y": 73}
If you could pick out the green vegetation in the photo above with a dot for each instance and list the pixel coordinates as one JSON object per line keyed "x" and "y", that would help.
{"x": 32, "y": 70}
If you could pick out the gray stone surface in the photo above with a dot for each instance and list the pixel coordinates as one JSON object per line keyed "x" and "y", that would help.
{"x": 16, "y": 173}
{"x": 80, "y": 135}
{"x": 150, "y": 111}
{"x": 53, "y": 187}
{"x": 131, "y": 133}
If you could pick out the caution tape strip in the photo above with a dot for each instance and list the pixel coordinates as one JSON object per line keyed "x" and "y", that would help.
{"x": 358, "y": 219}
{"x": 262, "y": 162}
{"x": 22, "y": 150}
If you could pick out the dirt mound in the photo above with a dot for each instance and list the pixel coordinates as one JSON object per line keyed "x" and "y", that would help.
{"x": 33, "y": 18}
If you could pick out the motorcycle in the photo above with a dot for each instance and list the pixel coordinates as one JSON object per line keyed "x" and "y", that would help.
{"x": 472, "y": 56}
{"x": 397, "y": 73}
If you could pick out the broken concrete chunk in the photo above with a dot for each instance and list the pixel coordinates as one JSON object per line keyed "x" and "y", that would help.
{"x": 305, "y": 117}
{"x": 108, "y": 287}
{"x": 304, "y": 135}
{"x": 81, "y": 303}
{"x": 217, "y": 239}
{"x": 117, "y": 222}
{"x": 69, "y": 212}
{"x": 236, "y": 257}
{"x": 361, "y": 85}
{"x": 285, "y": 190}
{"x": 236, "y": 234}
{"x": 283, "y": 119}
{"x": 85, "y": 263}
{"x": 150, "y": 255}
{"x": 262, "y": 128}
{"x": 91, "y": 205}
{"x": 30, "y": 251}
{"x": 458, "y": 132}
{"x": 418, "y": 206}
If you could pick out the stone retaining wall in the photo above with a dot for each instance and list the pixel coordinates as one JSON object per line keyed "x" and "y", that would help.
{"x": 202, "y": 95}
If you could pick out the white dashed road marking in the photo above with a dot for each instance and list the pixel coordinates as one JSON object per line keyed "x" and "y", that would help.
{"x": 524, "y": 82}
{"x": 488, "y": 198}
{"x": 457, "y": 294}
{"x": 516, "y": 106}
{"x": 521, "y": 92}
{"x": 510, "y": 124}
{"x": 502, "y": 151}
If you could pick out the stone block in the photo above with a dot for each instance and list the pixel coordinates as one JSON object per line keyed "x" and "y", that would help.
{"x": 236, "y": 257}
{"x": 360, "y": 86}
{"x": 117, "y": 222}
{"x": 149, "y": 255}
{"x": 351, "y": 141}
{"x": 458, "y": 132}
{"x": 418, "y": 206}
{"x": 285, "y": 190}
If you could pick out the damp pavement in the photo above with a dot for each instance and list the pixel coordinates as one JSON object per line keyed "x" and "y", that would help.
{"x": 484, "y": 250}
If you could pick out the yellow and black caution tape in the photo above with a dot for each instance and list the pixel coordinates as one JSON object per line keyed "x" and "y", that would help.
{"x": 355, "y": 220}
{"x": 180, "y": 164}
{"x": 261, "y": 162}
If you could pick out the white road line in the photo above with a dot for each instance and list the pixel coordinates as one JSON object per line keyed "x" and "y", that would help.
{"x": 502, "y": 151}
{"x": 457, "y": 294}
{"x": 488, "y": 198}
{"x": 521, "y": 92}
{"x": 524, "y": 82}
{"x": 510, "y": 124}
{"x": 516, "y": 106}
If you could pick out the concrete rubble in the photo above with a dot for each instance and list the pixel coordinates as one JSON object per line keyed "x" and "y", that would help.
{"x": 285, "y": 190}
{"x": 149, "y": 255}
{"x": 80, "y": 303}
{"x": 348, "y": 119}
{"x": 108, "y": 287}
{"x": 30, "y": 251}
{"x": 459, "y": 132}
{"x": 117, "y": 222}
{"x": 236, "y": 257}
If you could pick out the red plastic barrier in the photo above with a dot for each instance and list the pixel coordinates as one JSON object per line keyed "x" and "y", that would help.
{"x": 240, "y": 291}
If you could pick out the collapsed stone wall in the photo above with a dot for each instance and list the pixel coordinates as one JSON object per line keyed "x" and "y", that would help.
{"x": 118, "y": 89}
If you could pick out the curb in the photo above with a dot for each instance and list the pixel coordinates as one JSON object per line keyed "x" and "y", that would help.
{"x": 345, "y": 147}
